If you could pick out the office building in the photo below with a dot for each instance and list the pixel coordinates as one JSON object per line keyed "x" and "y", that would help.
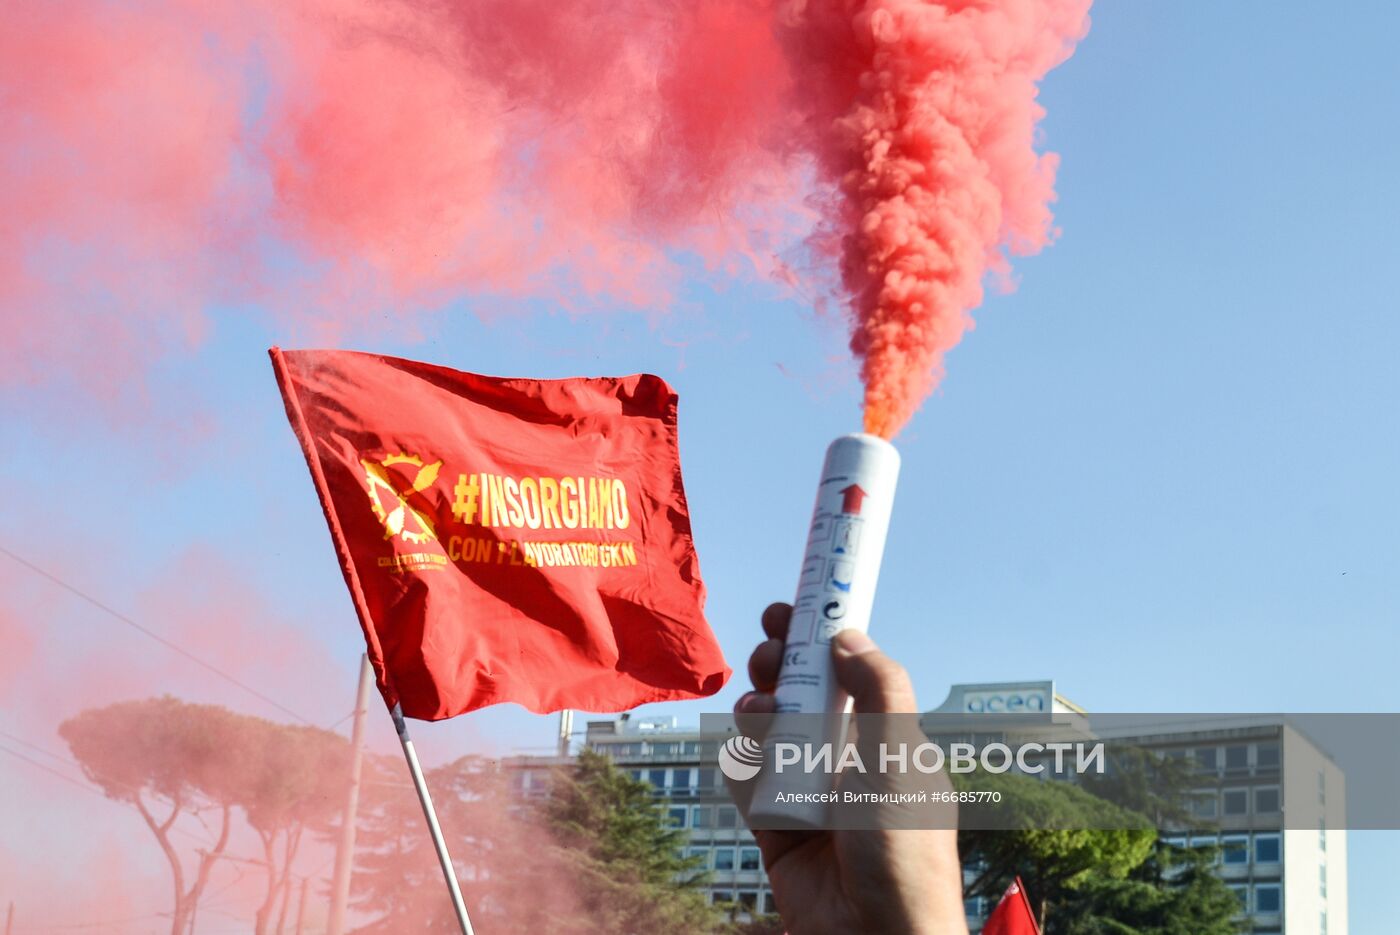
{"x": 1248, "y": 772}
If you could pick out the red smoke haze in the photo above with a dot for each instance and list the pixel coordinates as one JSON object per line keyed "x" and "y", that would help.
{"x": 331, "y": 159}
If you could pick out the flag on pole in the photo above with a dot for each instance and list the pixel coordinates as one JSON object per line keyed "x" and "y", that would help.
{"x": 1013, "y": 915}
{"x": 506, "y": 539}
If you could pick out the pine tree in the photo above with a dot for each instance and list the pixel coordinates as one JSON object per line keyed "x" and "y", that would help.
{"x": 634, "y": 877}
{"x": 514, "y": 878}
{"x": 169, "y": 759}
{"x": 1174, "y": 892}
{"x": 1092, "y": 866}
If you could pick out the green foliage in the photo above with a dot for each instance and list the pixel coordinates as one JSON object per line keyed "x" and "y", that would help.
{"x": 1107, "y": 873}
{"x": 634, "y": 877}
{"x": 1174, "y": 892}
{"x": 594, "y": 856}
{"x": 1051, "y": 842}
{"x": 771, "y": 924}
{"x": 1147, "y": 783}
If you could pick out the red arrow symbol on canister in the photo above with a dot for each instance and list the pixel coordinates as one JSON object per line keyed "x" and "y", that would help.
{"x": 853, "y": 495}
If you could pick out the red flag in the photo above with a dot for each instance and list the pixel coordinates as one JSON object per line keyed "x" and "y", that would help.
{"x": 503, "y": 539}
{"x": 1013, "y": 915}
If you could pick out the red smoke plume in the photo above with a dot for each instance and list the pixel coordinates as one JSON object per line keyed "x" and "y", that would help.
{"x": 923, "y": 118}
{"x": 329, "y": 159}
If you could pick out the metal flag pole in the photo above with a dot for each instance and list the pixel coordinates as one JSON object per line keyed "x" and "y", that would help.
{"x": 345, "y": 852}
{"x": 421, "y": 786}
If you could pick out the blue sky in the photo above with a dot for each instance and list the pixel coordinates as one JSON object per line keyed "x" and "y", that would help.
{"x": 1161, "y": 472}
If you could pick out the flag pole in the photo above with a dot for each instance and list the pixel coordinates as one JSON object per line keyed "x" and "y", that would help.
{"x": 426, "y": 800}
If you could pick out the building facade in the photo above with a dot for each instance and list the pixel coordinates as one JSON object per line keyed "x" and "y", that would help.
{"x": 1248, "y": 773}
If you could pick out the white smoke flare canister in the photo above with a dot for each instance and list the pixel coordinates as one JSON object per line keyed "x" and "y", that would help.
{"x": 836, "y": 591}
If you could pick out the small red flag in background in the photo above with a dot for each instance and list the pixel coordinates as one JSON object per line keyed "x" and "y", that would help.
{"x": 1013, "y": 915}
{"x": 506, "y": 539}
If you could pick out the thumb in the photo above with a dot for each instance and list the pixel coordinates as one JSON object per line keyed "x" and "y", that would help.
{"x": 877, "y": 683}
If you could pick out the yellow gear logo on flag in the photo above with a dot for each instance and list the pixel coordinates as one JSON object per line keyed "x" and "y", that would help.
{"x": 396, "y": 516}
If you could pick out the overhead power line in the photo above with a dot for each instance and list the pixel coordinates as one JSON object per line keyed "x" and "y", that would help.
{"x": 49, "y": 769}
{"x": 151, "y": 634}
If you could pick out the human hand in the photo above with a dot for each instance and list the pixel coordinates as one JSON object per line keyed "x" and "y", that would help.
{"x": 867, "y": 881}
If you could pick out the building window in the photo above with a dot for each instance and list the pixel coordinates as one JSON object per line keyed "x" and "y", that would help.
{"x": 1266, "y": 756}
{"x": 724, "y": 858}
{"x": 1266, "y": 800}
{"x": 972, "y": 908}
{"x": 770, "y": 906}
{"x": 682, "y": 783}
{"x": 1268, "y": 898}
{"x": 1178, "y": 843}
{"x": 1242, "y": 894}
{"x": 1267, "y": 848}
{"x": 657, "y": 778}
{"x": 690, "y": 748}
{"x": 1207, "y": 759}
{"x": 1237, "y": 758}
{"x": 748, "y": 858}
{"x": 1234, "y": 849}
{"x": 676, "y": 816}
{"x": 1204, "y": 840}
{"x": 748, "y": 901}
{"x": 722, "y": 896}
{"x": 726, "y": 816}
{"x": 1236, "y": 801}
{"x": 702, "y": 816}
{"x": 701, "y": 855}
{"x": 706, "y": 782}
{"x": 1204, "y": 804}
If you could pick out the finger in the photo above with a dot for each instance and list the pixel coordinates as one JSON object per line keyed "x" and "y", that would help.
{"x": 775, "y": 620}
{"x": 756, "y": 703}
{"x": 876, "y": 683}
{"x": 753, "y": 714}
{"x": 765, "y": 664}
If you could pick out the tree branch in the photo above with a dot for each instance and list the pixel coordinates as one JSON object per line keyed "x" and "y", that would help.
{"x": 210, "y": 857}
{"x": 176, "y": 804}
{"x": 177, "y": 871}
